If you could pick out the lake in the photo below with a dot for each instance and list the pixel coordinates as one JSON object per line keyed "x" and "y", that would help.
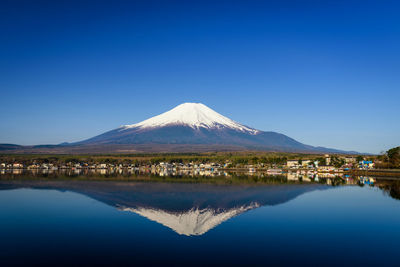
{"x": 121, "y": 222}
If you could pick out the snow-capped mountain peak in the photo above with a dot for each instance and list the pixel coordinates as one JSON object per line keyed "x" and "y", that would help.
{"x": 195, "y": 127}
{"x": 194, "y": 115}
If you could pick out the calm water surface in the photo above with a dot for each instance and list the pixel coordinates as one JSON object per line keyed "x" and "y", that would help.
{"x": 135, "y": 223}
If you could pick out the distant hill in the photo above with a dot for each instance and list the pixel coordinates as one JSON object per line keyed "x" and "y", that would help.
{"x": 9, "y": 147}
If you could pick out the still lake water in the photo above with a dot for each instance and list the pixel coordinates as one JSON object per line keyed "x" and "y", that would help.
{"x": 59, "y": 222}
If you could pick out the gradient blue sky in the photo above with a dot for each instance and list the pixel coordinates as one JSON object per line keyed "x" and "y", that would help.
{"x": 326, "y": 73}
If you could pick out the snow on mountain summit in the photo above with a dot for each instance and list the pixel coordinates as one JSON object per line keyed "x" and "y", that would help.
{"x": 194, "y": 115}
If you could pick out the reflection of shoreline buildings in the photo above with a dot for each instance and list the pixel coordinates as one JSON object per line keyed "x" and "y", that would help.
{"x": 293, "y": 176}
{"x": 311, "y": 176}
{"x": 117, "y": 171}
{"x": 366, "y": 180}
{"x": 329, "y": 178}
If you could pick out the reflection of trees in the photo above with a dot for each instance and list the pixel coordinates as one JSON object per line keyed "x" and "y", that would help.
{"x": 338, "y": 181}
{"x": 392, "y": 188}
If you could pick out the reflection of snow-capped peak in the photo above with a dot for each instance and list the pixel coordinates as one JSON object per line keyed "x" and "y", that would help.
{"x": 194, "y": 115}
{"x": 193, "y": 222}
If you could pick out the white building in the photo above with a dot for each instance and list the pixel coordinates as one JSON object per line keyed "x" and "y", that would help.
{"x": 17, "y": 166}
{"x": 327, "y": 159}
{"x": 294, "y": 163}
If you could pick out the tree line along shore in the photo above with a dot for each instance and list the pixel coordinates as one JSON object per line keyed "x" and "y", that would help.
{"x": 234, "y": 160}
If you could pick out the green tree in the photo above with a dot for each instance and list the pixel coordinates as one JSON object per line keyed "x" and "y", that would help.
{"x": 337, "y": 162}
{"x": 393, "y": 155}
{"x": 321, "y": 161}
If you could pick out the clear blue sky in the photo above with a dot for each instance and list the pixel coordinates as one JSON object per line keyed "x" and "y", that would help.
{"x": 326, "y": 73}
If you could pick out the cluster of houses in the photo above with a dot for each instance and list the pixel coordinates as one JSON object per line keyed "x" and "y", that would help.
{"x": 349, "y": 162}
{"x": 50, "y": 166}
{"x": 207, "y": 169}
{"x": 366, "y": 164}
{"x": 11, "y": 166}
{"x": 161, "y": 168}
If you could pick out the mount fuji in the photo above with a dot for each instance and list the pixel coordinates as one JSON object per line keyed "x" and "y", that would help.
{"x": 195, "y": 127}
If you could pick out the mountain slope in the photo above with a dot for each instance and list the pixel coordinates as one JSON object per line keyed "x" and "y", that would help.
{"x": 196, "y": 124}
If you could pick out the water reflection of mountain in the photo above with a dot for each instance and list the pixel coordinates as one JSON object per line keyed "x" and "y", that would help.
{"x": 188, "y": 209}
